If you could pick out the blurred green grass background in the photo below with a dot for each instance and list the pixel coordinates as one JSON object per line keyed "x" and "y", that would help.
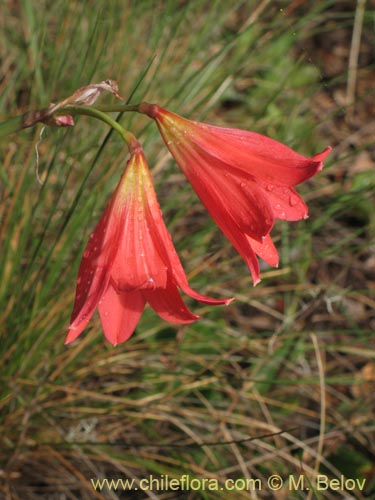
{"x": 293, "y": 354}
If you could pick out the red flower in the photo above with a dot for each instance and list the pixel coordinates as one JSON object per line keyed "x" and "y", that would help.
{"x": 244, "y": 179}
{"x": 130, "y": 260}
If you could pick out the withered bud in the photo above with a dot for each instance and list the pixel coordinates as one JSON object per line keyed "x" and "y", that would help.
{"x": 83, "y": 96}
{"x": 88, "y": 94}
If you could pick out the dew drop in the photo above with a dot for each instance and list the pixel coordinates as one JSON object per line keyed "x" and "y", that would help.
{"x": 86, "y": 254}
{"x": 277, "y": 206}
{"x": 270, "y": 187}
{"x": 292, "y": 201}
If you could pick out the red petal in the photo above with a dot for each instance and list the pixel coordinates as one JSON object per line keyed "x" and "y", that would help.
{"x": 227, "y": 222}
{"x": 169, "y": 305}
{"x": 255, "y": 154}
{"x": 286, "y": 203}
{"x": 138, "y": 264}
{"x": 163, "y": 241}
{"x": 91, "y": 284}
{"x": 232, "y": 231}
{"x": 243, "y": 200}
{"x": 266, "y": 250}
{"x": 242, "y": 243}
{"x": 120, "y": 313}
{"x": 94, "y": 271}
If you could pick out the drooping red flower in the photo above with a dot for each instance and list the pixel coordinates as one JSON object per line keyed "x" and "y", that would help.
{"x": 244, "y": 179}
{"x": 130, "y": 260}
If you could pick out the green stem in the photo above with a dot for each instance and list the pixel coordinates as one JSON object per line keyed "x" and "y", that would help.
{"x": 118, "y": 108}
{"x": 128, "y": 137}
{"x": 22, "y": 121}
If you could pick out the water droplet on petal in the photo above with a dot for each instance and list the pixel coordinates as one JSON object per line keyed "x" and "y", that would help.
{"x": 277, "y": 206}
{"x": 270, "y": 187}
{"x": 292, "y": 201}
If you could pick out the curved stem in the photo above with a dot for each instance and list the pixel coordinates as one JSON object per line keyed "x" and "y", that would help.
{"x": 31, "y": 118}
{"x": 128, "y": 137}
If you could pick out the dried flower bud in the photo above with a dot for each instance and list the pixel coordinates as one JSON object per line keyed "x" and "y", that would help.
{"x": 88, "y": 94}
{"x": 83, "y": 96}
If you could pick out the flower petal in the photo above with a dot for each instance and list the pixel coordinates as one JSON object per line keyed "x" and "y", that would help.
{"x": 242, "y": 243}
{"x": 138, "y": 264}
{"x": 243, "y": 200}
{"x": 286, "y": 203}
{"x": 120, "y": 313}
{"x": 169, "y": 305}
{"x": 266, "y": 250}
{"x": 255, "y": 154}
{"x": 163, "y": 241}
{"x": 90, "y": 288}
{"x": 93, "y": 275}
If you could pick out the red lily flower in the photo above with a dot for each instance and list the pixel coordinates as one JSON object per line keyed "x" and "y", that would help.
{"x": 130, "y": 260}
{"x": 244, "y": 179}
